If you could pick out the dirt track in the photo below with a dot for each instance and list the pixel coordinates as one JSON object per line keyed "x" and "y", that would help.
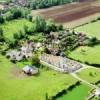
{"x": 71, "y": 12}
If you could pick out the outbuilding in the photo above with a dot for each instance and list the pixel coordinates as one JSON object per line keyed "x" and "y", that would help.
{"x": 30, "y": 70}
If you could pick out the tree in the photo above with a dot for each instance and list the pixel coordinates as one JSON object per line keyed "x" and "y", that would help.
{"x": 16, "y": 36}
{"x": 16, "y": 13}
{"x": 29, "y": 17}
{"x": 35, "y": 61}
{"x": 1, "y": 19}
{"x": 8, "y": 16}
{"x": 12, "y": 43}
{"x": 1, "y": 35}
{"x": 50, "y": 25}
{"x": 39, "y": 24}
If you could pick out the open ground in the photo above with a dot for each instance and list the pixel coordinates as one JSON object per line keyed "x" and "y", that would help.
{"x": 70, "y": 13}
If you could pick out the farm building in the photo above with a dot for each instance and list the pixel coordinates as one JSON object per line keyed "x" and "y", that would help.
{"x": 30, "y": 70}
{"x": 59, "y": 63}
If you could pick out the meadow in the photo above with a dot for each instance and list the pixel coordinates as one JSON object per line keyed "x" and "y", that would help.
{"x": 91, "y": 29}
{"x": 75, "y": 94}
{"x": 87, "y": 54}
{"x": 92, "y": 75}
{"x": 30, "y": 88}
{"x": 14, "y": 26}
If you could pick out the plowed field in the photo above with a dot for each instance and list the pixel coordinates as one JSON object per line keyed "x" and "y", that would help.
{"x": 71, "y": 12}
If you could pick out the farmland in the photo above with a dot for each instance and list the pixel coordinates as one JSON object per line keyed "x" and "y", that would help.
{"x": 91, "y": 29}
{"x": 92, "y": 75}
{"x": 72, "y": 12}
{"x": 14, "y": 26}
{"x": 29, "y": 88}
{"x": 26, "y": 40}
{"x": 87, "y": 54}
{"x": 75, "y": 93}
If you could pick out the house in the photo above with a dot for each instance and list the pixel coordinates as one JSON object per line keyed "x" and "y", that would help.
{"x": 37, "y": 46}
{"x": 14, "y": 55}
{"x": 97, "y": 92}
{"x": 26, "y": 51}
{"x": 30, "y": 70}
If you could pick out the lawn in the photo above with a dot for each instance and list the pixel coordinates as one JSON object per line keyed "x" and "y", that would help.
{"x": 14, "y": 26}
{"x": 87, "y": 54}
{"x": 92, "y": 75}
{"x": 30, "y": 88}
{"x": 91, "y": 29}
{"x": 78, "y": 93}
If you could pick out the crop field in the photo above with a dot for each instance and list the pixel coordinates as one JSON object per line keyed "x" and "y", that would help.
{"x": 92, "y": 75}
{"x": 71, "y": 12}
{"x": 14, "y": 26}
{"x": 13, "y": 87}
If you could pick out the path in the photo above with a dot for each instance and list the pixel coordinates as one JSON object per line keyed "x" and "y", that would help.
{"x": 84, "y": 81}
{"x": 80, "y": 79}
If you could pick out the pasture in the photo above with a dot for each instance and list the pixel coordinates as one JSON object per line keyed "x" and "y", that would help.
{"x": 30, "y": 88}
{"x": 91, "y": 29}
{"x": 92, "y": 75}
{"x": 14, "y": 26}
{"x": 75, "y": 94}
{"x": 87, "y": 54}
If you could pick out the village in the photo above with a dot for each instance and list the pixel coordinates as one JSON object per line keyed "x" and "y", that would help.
{"x": 42, "y": 56}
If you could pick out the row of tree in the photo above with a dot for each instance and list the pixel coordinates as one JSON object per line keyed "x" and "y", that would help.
{"x": 14, "y": 13}
{"x": 38, "y": 4}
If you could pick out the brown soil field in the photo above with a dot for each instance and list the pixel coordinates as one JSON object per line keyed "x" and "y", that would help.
{"x": 72, "y": 12}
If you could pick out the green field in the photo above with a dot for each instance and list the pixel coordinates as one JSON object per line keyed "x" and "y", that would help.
{"x": 87, "y": 54}
{"x": 30, "y": 88}
{"x": 14, "y": 26}
{"x": 92, "y": 75}
{"x": 78, "y": 93}
{"x": 91, "y": 29}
